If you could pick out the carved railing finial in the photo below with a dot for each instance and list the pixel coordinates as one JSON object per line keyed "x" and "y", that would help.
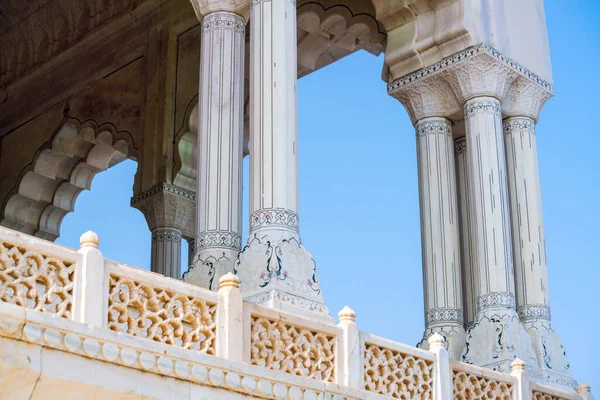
{"x": 89, "y": 239}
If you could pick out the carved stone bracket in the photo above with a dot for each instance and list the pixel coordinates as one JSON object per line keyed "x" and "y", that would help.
{"x": 166, "y": 205}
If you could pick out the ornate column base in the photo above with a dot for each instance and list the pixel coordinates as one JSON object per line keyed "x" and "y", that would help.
{"x": 454, "y": 335}
{"x": 217, "y": 254}
{"x": 276, "y": 270}
{"x": 497, "y": 336}
{"x": 551, "y": 354}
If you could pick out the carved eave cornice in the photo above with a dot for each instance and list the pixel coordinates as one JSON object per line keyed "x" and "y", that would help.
{"x": 166, "y": 205}
{"x": 441, "y": 89}
{"x": 204, "y": 7}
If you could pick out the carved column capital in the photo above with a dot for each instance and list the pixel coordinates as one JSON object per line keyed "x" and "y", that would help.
{"x": 166, "y": 205}
{"x": 525, "y": 98}
{"x": 442, "y": 88}
{"x": 431, "y": 96}
{"x": 202, "y": 8}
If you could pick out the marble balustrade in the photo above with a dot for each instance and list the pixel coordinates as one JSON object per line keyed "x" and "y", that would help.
{"x": 78, "y": 303}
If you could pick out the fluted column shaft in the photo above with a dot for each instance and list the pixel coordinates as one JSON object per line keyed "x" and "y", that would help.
{"x": 439, "y": 232}
{"x": 465, "y": 230}
{"x": 273, "y": 116}
{"x": 527, "y": 221}
{"x": 489, "y": 195}
{"x": 274, "y": 268}
{"x": 220, "y": 137}
{"x": 166, "y": 252}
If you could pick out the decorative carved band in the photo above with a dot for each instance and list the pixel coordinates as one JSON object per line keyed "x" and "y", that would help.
{"x": 224, "y": 20}
{"x": 460, "y": 145}
{"x": 296, "y": 301}
{"x": 230, "y": 240}
{"x": 493, "y": 300}
{"x": 527, "y": 313}
{"x": 163, "y": 187}
{"x": 166, "y": 235}
{"x": 428, "y": 127}
{"x": 438, "y": 315}
{"x": 519, "y": 125}
{"x": 267, "y": 217}
{"x": 467, "y": 53}
{"x": 475, "y": 107}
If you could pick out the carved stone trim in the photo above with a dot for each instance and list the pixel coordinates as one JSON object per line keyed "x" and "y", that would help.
{"x": 166, "y": 235}
{"x": 528, "y": 313}
{"x": 435, "y": 316}
{"x": 474, "y": 107}
{"x": 163, "y": 187}
{"x": 495, "y": 300}
{"x": 230, "y": 240}
{"x": 224, "y": 20}
{"x": 460, "y": 145}
{"x": 518, "y": 125}
{"x": 481, "y": 48}
{"x": 428, "y": 127}
{"x": 268, "y": 217}
{"x": 282, "y": 297}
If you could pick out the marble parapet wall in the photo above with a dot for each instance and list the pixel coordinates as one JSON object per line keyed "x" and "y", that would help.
{"x": 141, "y": 332}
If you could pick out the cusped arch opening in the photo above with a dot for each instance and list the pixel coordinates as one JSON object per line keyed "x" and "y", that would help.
{"x": 47, "y": 188}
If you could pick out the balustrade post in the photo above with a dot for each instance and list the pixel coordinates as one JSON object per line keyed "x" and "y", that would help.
{"x": 229, "y": 318}
{"x": 349, "y": 352}
{"x": 585, "y": 391}
{"x": 522, "y": 391}
{"x": 89, "y": 305}
{"x": 442, "y": 376}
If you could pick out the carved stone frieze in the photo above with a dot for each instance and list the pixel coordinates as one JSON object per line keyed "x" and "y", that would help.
{"x": 46, "y": 31}
{"x": 166, "y": 205}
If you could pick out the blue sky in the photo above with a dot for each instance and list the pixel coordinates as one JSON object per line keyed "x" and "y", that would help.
{"x": 359, "y": 202}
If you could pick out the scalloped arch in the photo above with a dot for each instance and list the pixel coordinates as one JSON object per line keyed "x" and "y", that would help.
{"x": 65, "y": 166}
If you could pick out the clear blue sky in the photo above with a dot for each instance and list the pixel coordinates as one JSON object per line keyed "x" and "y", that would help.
{"x": 359, "y": 201}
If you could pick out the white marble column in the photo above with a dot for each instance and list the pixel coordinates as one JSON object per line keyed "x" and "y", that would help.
{"x": 274, "y": 267}
{"x": 469, "y": 280}
{"x": 220, "y": 136}
{"x": 529, "y": 247}
{"x": 439, "y": 234}
{"x": 496, "y": 312}
{"x": 166, "y": 252}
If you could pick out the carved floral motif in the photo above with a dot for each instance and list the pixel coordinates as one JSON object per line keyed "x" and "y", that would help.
{"x": 162, "y": 315}
{"x": 37, "y": 281}
{"x": 392, "y": 373}
{"x": 292, "y": 349}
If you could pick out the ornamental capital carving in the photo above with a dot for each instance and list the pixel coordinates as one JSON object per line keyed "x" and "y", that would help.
{"x": 204, "y": 7}
{"x": 525, "y": 98}
{"x": 166, "y": 205}
{"x": 431, "y": 96}
{"x": 479, "y": 71}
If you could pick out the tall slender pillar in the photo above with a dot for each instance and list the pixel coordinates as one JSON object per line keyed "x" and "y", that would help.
{"x": 439, "y": 234}
{"x": 468, "y": 270}
{"x": 220, "y": 137}
{"x": 529, "y": 246}
{"x": 274, "y": 267}
{"x": 496, "y": 312}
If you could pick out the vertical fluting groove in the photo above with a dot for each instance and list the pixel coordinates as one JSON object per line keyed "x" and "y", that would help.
{"x": 525, "y": 202}
{"x": 439, "y": 235}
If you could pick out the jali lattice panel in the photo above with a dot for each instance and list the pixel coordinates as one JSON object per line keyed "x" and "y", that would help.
{"x": 537, "y": 395}
{"x": 472, "y": 387}
{"x": 162, "y": 315}
{"x": 292, "y": 349}
{"x": 393, "y": 373}
{"x": 37, "y": 281}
